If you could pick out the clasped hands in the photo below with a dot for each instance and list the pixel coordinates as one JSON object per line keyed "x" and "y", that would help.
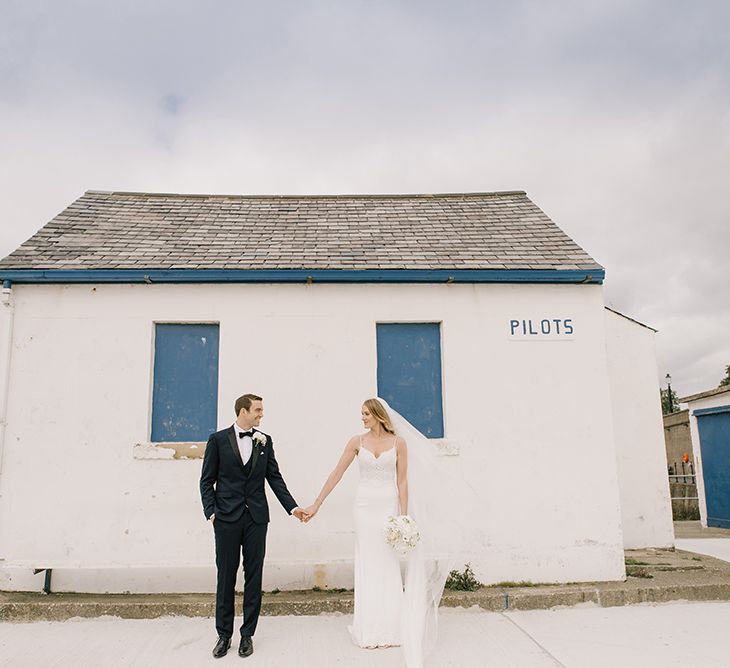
{"x": 306, "y": 514}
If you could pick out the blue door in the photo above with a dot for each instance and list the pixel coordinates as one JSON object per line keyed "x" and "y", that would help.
{"x": 185, "y": 386}
{"x": 409, "y": 373}
{"x": 714, "y": 427}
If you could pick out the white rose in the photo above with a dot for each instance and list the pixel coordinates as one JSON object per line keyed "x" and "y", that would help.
{"x": 259, "y": 438}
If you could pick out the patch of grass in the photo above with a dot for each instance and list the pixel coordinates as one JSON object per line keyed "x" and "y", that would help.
{"x": 275, "y": 591}
{"x": 332, "y": 590}
{"x": 635, "y": 562}
{"x": 463, "y": 581}
{"x": 696, "y": 559}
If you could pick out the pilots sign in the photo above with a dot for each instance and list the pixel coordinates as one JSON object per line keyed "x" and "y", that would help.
{"x": 541, "y": 329}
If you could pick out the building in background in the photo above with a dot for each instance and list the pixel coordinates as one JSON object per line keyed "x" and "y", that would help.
{"x": 132, "y": 321}
{"x": 709, "y": 421}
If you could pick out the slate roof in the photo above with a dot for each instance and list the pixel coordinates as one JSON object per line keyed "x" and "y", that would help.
{"x": 126, "y": 230}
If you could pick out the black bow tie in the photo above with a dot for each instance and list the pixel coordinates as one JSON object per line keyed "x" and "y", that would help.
{"x": 241, "y": 434}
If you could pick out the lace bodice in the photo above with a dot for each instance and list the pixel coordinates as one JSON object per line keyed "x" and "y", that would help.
{"x": 377, "y": 469}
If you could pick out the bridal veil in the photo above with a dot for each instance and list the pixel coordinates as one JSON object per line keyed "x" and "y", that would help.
{"x": 433, "y": 492}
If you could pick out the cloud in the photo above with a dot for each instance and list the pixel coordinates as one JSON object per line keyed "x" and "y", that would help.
{"x": 613, "y": 116}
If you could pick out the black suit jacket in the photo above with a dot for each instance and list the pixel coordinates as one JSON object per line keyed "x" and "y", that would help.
{"x": 227, "y": 488}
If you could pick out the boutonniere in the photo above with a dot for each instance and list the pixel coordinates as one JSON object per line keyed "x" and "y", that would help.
{"x": 259, "y": 439}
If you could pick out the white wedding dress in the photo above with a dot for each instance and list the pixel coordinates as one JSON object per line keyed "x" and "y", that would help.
{"x": 378, "y": 582}
{"x": 390, "y": 610}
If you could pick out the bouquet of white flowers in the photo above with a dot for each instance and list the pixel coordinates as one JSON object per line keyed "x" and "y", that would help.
{"x": 401, "y": 533}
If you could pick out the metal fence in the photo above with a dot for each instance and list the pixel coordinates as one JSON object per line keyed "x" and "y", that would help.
{"x": 687, "y": 476}
{"x": 683, "y": 490}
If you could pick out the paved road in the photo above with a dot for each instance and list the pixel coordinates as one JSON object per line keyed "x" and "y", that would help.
{"x": 693, "y": 529}
{"x": 676, "y": 634}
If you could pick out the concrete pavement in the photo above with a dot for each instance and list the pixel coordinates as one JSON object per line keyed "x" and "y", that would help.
{"x": 693, "y": 529}
{"x": 505, "y": 626}
{"x": 675, "y": 634}
{"x": 712, "y": 541}
{"x": 712, "y": 547}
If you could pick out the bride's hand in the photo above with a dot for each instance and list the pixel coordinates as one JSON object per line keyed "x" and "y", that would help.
{"x": 311, "y": 511}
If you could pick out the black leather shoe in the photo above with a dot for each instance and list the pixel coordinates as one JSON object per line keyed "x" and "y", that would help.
{"x": 221, "y": 647}
{"x": 246, "y": 646}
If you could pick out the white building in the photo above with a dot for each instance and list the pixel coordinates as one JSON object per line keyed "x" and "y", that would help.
{"x": 131, "y": 322}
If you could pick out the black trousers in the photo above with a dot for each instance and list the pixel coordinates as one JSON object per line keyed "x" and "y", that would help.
{"x": 232, "y": 539}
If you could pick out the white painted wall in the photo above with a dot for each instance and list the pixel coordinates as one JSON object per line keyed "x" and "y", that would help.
{"x": 7, "y": 310}
{"x": 721, "y": 399}
{"x": 531, "y": 417}
{"x": 646, "y": 507}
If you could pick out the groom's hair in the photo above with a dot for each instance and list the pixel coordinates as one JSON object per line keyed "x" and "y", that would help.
{"x": 245, "y": 401}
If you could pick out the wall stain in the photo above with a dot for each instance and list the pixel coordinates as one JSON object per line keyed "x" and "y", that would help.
{"x": 183, "y": 450}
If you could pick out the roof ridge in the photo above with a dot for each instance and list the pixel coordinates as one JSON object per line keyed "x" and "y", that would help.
{"x": 628, "y": 317}
{"x": 496, "y": 193}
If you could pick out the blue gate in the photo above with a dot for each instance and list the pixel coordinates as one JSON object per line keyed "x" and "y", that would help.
{"x": 713, "y": 425}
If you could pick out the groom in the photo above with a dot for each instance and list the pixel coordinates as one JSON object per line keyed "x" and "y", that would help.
{"x": 237, "y": 461}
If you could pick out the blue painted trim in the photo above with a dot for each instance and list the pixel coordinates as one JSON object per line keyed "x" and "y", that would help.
{"x": 711, "y": 411}
{"x": 7, "y": 284}
{"x": 303, "y": 275}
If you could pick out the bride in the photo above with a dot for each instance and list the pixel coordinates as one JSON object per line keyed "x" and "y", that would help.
{"x": 399, "y": 475}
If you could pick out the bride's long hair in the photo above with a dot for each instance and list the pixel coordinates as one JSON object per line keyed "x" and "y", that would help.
{"x": 377, "y": 410}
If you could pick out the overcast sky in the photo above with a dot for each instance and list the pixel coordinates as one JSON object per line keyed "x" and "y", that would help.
{"x": 614, "y": 116}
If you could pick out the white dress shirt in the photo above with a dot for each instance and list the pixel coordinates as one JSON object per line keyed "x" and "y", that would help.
{"x": 245, "y": 444}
